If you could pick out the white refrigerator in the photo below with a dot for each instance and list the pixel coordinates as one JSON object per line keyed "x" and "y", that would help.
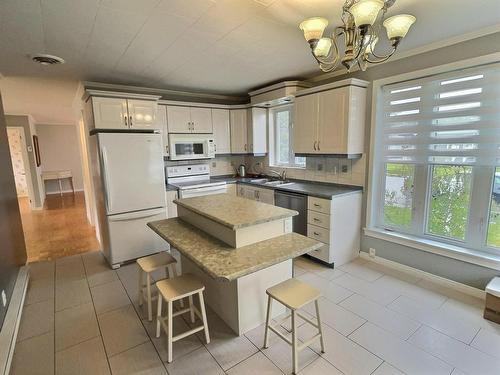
{"x": 129, "y": 180}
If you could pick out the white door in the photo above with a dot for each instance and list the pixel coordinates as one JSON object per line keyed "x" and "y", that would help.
{"x": 305, "y": 138}
{"x": 179, "y": 119}
{"x": 222, "y": 133}
{"x": 201, "y": 120}
{"x": 110, "y": 113}
{"x": 161, "y": 120}
{"x": 132, "y": 171}
{"x": 257, "y": 131}
{"x": 239, "y": 131}
{"x": 131, "y": 238}
{"x": 142, "y": 114}
{"x": 332, "y": 121}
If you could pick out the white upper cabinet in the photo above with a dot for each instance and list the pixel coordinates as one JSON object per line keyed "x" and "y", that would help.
{"x": 110, "y": 113}
{"x": 331, "y": 121}
{"x": 142, "y": 114}
{"x": 201, "y": 120}
{"x": 161, "y": 120}
{"x": 257, "y": 131}
{"x": 117, "y": 113}
{"x": 239, "y": 143}
{"x": 189, "y": 119}
{"x": 179, "y": 119}
{"x": 222, "y": 133}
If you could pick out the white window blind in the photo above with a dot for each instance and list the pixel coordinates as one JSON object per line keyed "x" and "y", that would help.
{"x": 451, "y": 118}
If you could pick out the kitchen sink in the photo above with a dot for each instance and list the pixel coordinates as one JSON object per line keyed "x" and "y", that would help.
{"x": 278, "y": 183}
{"x": 260, "y": 180}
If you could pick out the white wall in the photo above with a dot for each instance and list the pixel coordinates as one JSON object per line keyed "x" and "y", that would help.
{"x": 59, "y": 150}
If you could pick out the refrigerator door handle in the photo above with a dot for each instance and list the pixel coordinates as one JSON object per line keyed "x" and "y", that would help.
{"x": 109, "y": 203}
{"x": 137, "y": 215}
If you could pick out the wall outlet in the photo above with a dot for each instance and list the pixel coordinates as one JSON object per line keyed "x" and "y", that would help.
{"x": 4, "y": 298}
{"x": 214, "y": 164}
{"x": 372, "y": 252}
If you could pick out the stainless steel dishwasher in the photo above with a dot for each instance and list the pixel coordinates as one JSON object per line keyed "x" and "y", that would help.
{"x": 297, "y": 202}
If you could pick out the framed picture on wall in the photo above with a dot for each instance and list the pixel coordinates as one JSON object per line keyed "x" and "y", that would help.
{"x": 37, "y": 151}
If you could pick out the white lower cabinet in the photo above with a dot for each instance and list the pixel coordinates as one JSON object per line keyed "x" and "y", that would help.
{"x": 336, "y": 223}
{"x": 171, "y": 195}
{"x": 256, "y": 193}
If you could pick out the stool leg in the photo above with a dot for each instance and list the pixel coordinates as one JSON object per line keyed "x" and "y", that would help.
{"x": 294, "y": 343}
{"x": 316, "y": 303}
{"x": 204, "y": 317}
{"x": 172, "y": 272}
{"x": 268, "y": 318}
{"x": 148, "y": 289}
{"x": 158, "y": 315}
{"x": 191, "y": 310}
{"x": 170, "y": 330}
{"x": 140, "y": 287}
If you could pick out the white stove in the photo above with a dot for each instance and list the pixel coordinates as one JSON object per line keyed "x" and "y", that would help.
{"x": 193, "y": 180}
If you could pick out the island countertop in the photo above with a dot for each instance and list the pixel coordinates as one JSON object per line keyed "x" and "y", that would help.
{"x": 234, "y": 212}
{"x": 223, "y": 262}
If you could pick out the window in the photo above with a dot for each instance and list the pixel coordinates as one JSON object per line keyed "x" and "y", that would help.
{"x": 282, "y": 128}
{"x": 437, "y": 158}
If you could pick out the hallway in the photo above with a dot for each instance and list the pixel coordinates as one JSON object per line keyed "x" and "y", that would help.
{"x": 59, "y": 230}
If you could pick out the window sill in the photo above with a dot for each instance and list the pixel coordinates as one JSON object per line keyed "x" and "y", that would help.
{"x": 466, "y": 255}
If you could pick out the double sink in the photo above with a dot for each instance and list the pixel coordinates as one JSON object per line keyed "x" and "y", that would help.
{"x": 271, "y": 182}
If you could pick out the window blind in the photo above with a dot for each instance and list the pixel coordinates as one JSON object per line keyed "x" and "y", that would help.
{"x": 451, "y": 118}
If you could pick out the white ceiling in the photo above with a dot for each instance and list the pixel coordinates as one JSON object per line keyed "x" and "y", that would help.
{"x": 223, "y": 46}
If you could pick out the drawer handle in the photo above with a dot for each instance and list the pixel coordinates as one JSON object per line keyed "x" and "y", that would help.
{"x": 316, "y": 219}
{"x": 316, "y": 233}
{"x": 317, "y": 205}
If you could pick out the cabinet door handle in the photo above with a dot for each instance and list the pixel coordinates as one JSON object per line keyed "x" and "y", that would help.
{"x": 316, "y": 219}
{"x": 215, "y": 147}
{"x": 130, "y": 118}
{"x": 166, "y": 148}
{"x": 245, "y": 146}
{"x": 314, "y": 146}
{"x": 125, "y": 120}
{"x": 316, "y": 233}
{"x": 317, "y": 205}
{"x": 319, "y": 149}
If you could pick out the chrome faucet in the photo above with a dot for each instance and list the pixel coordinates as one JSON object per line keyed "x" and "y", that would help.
{"x": 281, "y": 175}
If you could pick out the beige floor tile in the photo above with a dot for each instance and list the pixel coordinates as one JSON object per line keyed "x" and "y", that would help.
{"x": 75, "y": 325}
{"x": 34, "y": 356}
{"x": 387, "y": 369}
{"x": 367, "y": 289}
{"x": 36, "y": 319}
{"x": 333, "y": 292}
{"x": 225, "y": 346}
{"x": 329, "y": 273}
{"x": 109, "y": 296}
{"x": 308, "y": 264}
{"x": 320, "y": 367}
{"x": 42, "y": 270}
{"x": 129, "y": 275}
{"x": 69, "y": 269}
{"x": 72, "y": 293}
{"x": 181, "y": 347}
{"x": 401, "y": 354}
{"x": 121, "y": 330}
{"x": 97, "y": 269}
{"x": 87, "y": 357}
{"x": 358, "y": 268}
{"x": 460, "y": 355}
{"x": 336, "y": 316}
{"x": 258, "y": 364}
{"x": 471, "y": 314}
{"x": 198, "y": 362}
{"x": 39, "y": 290}
{"x": 297, "y": 271}
{"x": 142, "y": 359}
{"x": 344, "y": 354}
{"x": 381, "y": 316}
{"x": 488, "y": 342}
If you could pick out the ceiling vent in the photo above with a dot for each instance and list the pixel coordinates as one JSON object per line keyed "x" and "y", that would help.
{"x": 44, "y": 59}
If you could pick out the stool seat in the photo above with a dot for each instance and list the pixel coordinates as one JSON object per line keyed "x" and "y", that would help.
{"x": 179, "y": 287}
{"x": 155, "y": 261}
{"x": 493, "y": 287}
{"x": 293, "y": 293}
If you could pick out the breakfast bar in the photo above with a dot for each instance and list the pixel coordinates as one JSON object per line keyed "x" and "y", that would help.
{"x": 238, "y": 248}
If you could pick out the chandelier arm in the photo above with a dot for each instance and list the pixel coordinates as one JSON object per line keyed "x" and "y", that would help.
{"x": 379, "y": 58}
{"x": 385, "y": 57}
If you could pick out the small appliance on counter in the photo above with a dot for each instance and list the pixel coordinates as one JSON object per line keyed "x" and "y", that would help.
{"x": 241, "y": 170}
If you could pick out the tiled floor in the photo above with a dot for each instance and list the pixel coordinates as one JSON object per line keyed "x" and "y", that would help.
{"x": 82, "y": 318}
{"x": 59, "y": 230}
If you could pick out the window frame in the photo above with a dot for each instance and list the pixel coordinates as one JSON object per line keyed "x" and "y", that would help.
{"x": 273, "y": 144}
{"x": 482, "y": 182}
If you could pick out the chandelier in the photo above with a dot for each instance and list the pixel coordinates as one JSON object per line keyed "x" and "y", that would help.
{"x": 363, "y": 20}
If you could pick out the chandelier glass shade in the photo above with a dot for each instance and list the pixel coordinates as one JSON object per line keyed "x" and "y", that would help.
{"x": 363, "y": 21}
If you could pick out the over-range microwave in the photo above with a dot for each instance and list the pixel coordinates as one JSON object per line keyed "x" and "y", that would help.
{"x": 191, "y": 146}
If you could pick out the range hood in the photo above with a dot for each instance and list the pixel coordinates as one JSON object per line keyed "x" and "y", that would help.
{"x": 277, "y": 94}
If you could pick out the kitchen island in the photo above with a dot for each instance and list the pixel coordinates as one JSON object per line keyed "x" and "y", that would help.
{"x": 238, "y": 248}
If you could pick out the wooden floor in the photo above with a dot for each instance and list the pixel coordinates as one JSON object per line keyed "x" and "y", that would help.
{"x": 59, "y": 230}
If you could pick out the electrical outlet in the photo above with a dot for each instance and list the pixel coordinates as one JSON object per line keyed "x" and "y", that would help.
{"x": 372, "y": 252}
{"x": 214, "y": 164}
{"x": 4, "y": 298}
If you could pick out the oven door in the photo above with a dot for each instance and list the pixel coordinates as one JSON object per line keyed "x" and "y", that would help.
{"x": 205, "y": 190}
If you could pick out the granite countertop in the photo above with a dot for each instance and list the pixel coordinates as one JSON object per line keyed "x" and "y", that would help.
{"x": 314, "y": 189}
{"x": 234, "y": 212}
{"x": 223, "y": 262}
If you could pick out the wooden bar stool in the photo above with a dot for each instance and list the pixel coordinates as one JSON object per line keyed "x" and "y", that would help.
{"x": 294, "y": 294}
{"x": 175, "y": 289}
{"x": 146, "y": 266}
